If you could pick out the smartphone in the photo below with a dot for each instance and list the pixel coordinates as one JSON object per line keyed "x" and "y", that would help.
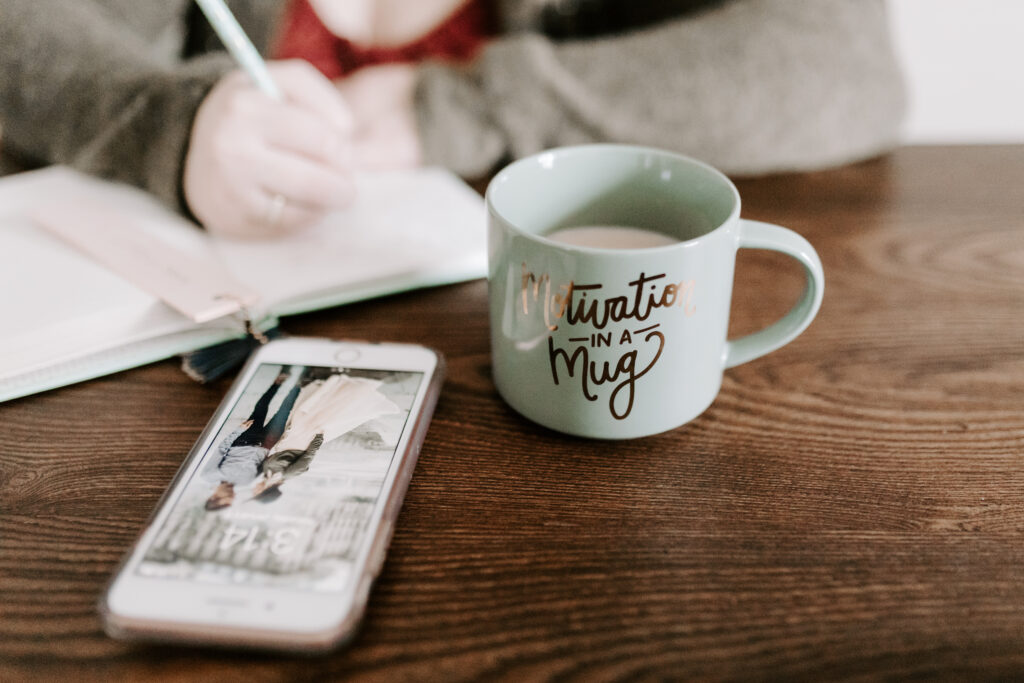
{"x": 277, "y": 523}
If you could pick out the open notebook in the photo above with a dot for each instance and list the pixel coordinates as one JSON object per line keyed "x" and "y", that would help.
{"x": 65, "y": 318}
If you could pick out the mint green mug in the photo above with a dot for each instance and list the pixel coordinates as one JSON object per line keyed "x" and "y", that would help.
{"x": 610, "y": 279}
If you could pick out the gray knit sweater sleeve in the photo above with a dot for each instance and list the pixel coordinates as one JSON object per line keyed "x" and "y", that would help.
{"x": 102, "y": 86}
{"x": 753, "y": 86}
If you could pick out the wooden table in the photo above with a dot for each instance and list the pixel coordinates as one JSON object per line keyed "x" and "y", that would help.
{"x": 851, "y": 506}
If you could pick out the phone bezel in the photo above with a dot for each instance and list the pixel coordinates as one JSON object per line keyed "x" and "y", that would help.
{"x": 139, "y": 607}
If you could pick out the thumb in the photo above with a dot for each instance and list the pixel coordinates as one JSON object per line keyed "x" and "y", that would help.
{"x": 306, "y": 87}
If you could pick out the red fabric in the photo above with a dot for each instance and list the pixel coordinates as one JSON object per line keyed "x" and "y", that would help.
{"x": 304, "y": 36}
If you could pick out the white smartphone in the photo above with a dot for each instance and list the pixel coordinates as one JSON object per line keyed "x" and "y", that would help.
{"x": 277, "y": 523}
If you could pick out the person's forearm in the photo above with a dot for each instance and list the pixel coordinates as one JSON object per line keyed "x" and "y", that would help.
{"x": 80, "y": 89}
{"x": 753, "y": 87}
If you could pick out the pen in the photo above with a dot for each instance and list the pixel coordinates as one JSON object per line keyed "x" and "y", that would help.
{"x": 239, "y": 45}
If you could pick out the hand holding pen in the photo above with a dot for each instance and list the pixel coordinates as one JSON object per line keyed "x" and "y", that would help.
{"x": 271, "y": 144}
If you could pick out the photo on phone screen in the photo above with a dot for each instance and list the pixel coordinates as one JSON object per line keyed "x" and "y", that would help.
{"x": 283, "y": 496}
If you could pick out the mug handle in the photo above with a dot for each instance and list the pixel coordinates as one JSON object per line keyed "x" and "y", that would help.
{"x": 758, "y": 235}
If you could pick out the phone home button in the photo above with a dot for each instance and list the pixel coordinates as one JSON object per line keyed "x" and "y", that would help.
{"x": 347, "y": 355}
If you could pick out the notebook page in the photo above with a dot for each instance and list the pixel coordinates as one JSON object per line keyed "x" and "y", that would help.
{"x": 404, "y": 229}
{"x": 56, "y": 303}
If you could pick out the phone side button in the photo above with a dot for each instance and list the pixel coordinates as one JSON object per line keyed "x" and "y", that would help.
{"x": 381, "y": 549}
{"x": 362, "y": 596}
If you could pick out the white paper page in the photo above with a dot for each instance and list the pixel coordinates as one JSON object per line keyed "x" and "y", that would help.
{"x": 56, "y": 304}
{"x": 403, "y": 227}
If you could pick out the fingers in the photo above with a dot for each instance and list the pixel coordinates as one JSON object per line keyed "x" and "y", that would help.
{"x": 293, "y": 218}
{"x": 302, "y": 181}
{"x": 258, "y": 167}
{"x": 258, "y": 216}
{"x": 238, "y": 206}
{"x": 287, "y": 126}
{"x": 306, "y": 87}
{"x": 293, "y": 130}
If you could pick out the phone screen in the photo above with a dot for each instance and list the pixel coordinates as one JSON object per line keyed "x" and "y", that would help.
{"x": 285, "y": 492}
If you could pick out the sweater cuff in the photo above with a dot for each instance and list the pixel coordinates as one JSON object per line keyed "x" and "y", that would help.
{"x": 146, "y": 142}
{"x": 174, "y": 109}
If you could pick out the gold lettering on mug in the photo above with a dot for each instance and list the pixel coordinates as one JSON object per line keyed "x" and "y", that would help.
{"x": 581, "y": 305}
{"x": 554, "y": 304}
{"x": 594, "y": 373}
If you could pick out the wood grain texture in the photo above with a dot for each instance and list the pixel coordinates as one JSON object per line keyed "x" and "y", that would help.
{"x": 850, "y": 507}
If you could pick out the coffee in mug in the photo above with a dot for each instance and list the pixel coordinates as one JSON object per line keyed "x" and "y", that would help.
{"x": 610, "y": 237}
{"x": 610, "y": 277}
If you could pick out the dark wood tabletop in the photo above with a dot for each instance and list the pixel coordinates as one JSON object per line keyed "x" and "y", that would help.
{"x": 851, "y": 506}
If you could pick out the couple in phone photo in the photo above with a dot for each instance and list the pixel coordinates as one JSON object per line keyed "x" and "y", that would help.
{"x": 321, "y": 405}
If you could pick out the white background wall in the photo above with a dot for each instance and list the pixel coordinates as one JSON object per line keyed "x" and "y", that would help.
{"x": 964, "y": 61}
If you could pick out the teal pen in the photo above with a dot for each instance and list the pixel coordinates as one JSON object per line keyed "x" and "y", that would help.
{"x": 239, "y": 45}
